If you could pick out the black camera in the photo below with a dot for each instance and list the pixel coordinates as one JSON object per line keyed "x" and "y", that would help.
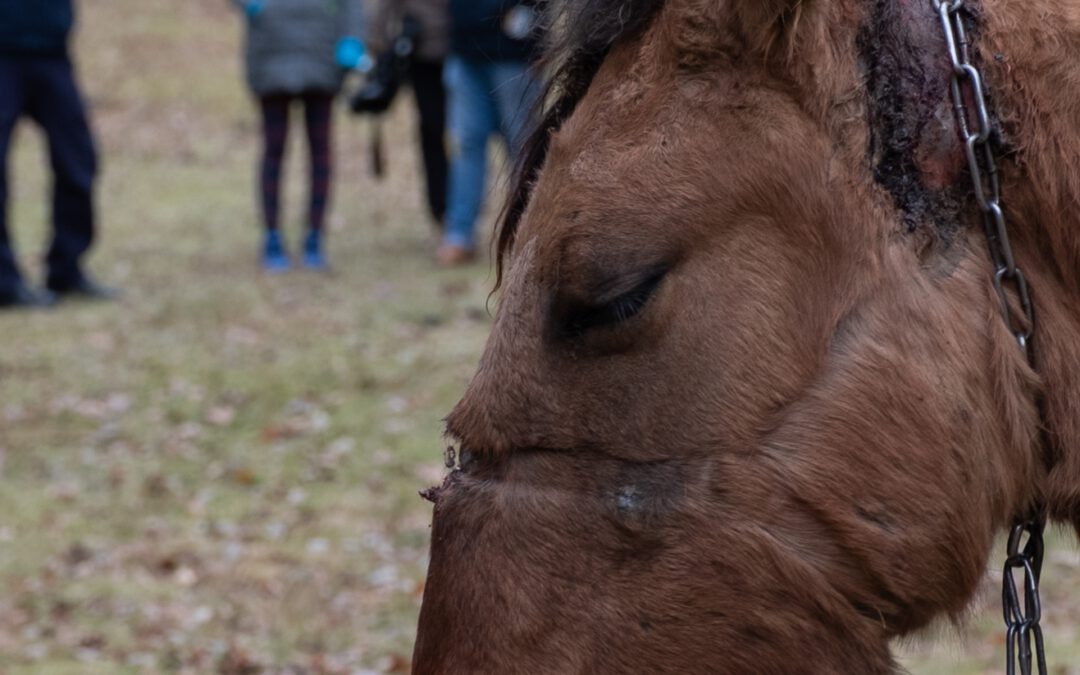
{"x": 377, "y": 93}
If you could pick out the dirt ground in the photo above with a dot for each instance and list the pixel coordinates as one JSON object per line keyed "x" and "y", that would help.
{"x": 219, "y": 473}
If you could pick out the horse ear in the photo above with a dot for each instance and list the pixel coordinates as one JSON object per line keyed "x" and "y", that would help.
{"x": 762, "y": 22}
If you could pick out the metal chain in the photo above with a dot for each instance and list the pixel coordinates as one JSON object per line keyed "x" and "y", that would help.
{"x": 1022, "y": 617}
{"x": 1022, "y": 611}
{"x": 978, "y": 135}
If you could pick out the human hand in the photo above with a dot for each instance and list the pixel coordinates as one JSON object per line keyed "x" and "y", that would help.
{"x": 351, "y": 54}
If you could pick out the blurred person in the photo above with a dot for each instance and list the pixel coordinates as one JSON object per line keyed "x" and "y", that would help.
{"x": 298, "y": 51}
{"x": 37, "y": 80}
{"x": 425, "y": 72}
{"x": 490, "y": 89}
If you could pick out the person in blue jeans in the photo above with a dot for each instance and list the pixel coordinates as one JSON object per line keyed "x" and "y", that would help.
{"x": 490, "y": 89}
{"x": 37, "y": 81}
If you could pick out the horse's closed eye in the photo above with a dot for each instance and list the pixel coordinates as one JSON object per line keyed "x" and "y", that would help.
{"x": 580, "y": 319}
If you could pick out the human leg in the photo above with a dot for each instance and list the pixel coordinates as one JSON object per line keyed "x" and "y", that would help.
{"x": 318, "y": 110}
{"x": 516, "y": 92}
{"x": 427, "y": 81}
{"x": 55, "y": 103}
{"x": 472, "y": 119}
{"x": 317, "y": 115}
{"x": 11, "y": 105}
{"x": 275, "y": 131}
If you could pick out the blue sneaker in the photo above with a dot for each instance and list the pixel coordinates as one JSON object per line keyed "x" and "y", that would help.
{"x": 274, "y": 259}
{"x": 313, "y": 253}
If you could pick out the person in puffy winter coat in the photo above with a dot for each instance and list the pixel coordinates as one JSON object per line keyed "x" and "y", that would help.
{"x": 298, "y": 51}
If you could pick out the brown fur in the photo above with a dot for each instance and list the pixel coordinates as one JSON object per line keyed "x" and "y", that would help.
{"x": 805, "y": 442}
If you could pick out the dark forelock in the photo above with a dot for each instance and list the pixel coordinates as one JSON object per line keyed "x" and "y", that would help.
{"x": 579, "y": 35}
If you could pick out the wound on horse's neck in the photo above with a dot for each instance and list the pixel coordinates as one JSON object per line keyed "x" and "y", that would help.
{"x": 915, "y": 150}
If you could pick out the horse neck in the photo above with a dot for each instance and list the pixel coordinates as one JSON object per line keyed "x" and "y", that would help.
{"x": 1033, "y": 74}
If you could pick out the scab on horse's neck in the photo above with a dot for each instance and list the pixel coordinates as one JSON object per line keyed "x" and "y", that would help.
{"x": 748, "y": 394}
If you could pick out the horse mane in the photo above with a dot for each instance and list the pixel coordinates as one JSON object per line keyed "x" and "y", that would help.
{"x": 579, "y": 35}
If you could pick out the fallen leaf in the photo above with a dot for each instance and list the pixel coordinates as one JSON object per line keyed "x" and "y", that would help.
{"x": 221, "y": 415}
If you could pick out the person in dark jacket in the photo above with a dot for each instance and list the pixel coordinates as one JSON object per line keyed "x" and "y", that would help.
{"x": 37, "y": 80}
{"x": 490, "y": 89}
{"x": 298, "y": 51}
{"x": 425, "y": 72}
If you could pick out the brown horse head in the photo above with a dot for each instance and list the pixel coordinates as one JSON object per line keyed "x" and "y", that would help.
{"x": 749, "y": 403}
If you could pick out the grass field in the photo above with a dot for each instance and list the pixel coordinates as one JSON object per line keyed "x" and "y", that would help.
{"x": 219, "y": 473}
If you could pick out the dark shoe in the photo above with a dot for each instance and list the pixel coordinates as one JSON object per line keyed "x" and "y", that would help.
{"x": 453, "y": 255}
{"x": 86, "y": 289}
{"x": 24, "y": 297}
{"x": 275, "y": 259}
{"x": 314, "y": 259}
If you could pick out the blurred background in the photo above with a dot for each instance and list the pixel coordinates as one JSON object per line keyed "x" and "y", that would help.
{"x": 218, "y": 473}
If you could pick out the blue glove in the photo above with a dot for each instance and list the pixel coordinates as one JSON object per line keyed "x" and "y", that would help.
{"x": 350, "y": 52}
{"x": 253, "y": 8}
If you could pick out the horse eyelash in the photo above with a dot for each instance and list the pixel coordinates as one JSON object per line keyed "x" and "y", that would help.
{"x": 616, "y": 311}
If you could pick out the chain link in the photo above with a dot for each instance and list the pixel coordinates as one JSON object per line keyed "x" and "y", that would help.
{"x": 1022, "y": 611}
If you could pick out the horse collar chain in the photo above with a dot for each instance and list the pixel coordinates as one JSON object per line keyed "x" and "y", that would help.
{"x": 1022, "y": 610}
